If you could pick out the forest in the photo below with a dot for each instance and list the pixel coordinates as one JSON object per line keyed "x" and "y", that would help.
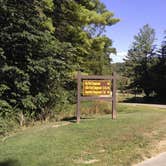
{"x": 43, "y": 43}
{"x": 144, "y": 67}
{"x": 42, "y": 46}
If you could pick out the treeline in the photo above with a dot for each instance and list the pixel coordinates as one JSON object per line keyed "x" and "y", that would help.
{"x": 42, "y": 45}
{"x": 145, "y": 64}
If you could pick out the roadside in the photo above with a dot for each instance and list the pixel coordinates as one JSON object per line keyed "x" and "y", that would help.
{"x": 150, "y": 105}
{"x": 159, "y": 160}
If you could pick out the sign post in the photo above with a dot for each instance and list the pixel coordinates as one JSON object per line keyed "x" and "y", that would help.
{"x": 113, "y": 96}
{"x": 96, "y": 88}
{"x": 78, "y": 95}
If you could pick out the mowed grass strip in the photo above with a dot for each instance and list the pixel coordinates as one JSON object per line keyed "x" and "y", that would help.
{"x": 98, "y": 141}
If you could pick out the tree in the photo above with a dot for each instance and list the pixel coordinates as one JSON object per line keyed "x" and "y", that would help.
{"x": 138, "y": 60}
{"x": 30, "y": 55}
{"x": 122, "y": 80}
{"x": 158, "y": 71}
{"x": 81, "y": 23}
{"x": 42, "y": 43}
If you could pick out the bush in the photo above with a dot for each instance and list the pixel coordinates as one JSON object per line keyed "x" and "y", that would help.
{"x": 7, "y": 125}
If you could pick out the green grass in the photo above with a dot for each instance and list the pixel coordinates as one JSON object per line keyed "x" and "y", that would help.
{"x": 112, "y": 142}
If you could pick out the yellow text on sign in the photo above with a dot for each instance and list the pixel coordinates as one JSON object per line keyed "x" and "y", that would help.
{"x": 96, "y": 87}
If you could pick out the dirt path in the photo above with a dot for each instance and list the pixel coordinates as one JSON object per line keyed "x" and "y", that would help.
{"x": 150, "y": 105}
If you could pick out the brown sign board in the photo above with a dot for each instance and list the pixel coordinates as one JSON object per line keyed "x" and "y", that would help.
{"x": 96, "y": 87}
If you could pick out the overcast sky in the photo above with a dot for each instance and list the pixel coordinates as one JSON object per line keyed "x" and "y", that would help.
{"x": 134, "y": 14}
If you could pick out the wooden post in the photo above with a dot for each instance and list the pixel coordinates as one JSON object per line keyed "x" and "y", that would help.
{"x": 114, "y": 96}
{"x": 78, "y": 95}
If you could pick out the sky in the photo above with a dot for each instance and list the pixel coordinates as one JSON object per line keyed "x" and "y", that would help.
{"x": 133, "y": 15}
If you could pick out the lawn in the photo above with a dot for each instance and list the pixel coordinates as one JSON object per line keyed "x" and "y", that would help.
{"x": 97, "y": 140}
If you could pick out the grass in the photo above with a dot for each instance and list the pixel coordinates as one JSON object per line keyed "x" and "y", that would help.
{"x": 99, "y": 140}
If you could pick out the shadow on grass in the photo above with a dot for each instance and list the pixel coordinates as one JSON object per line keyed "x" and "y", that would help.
{"x": 74, "y": 119}
{"x": 145, "y": 100}
{"x": 10, "y": 162}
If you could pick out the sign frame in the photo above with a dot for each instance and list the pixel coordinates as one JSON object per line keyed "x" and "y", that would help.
{"x": 84, "y": 98}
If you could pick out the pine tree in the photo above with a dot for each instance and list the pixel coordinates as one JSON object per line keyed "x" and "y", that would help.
{"x": 81, "y": 23}
{"x": 138, "y": 60}
{"x": 30, "y": 54}
{"x": 158, "y": 71}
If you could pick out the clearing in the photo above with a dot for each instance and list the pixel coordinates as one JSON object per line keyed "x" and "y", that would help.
{"x": 137, "y": 134}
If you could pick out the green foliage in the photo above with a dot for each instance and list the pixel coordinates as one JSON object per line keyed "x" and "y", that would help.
{"x": 138, "y": 60}
{"x": 5, "y": 108}
{"x": 7, "y": 125}
{"x": 122, "y": 80}
{"x": 83, "y": 28}
{"x": 146, "y": 66}
{"x": 158, "y": 71}
{"x": 42, "y": 44}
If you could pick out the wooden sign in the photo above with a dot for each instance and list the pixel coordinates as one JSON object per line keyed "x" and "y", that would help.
{"x": 96, "y": 87}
